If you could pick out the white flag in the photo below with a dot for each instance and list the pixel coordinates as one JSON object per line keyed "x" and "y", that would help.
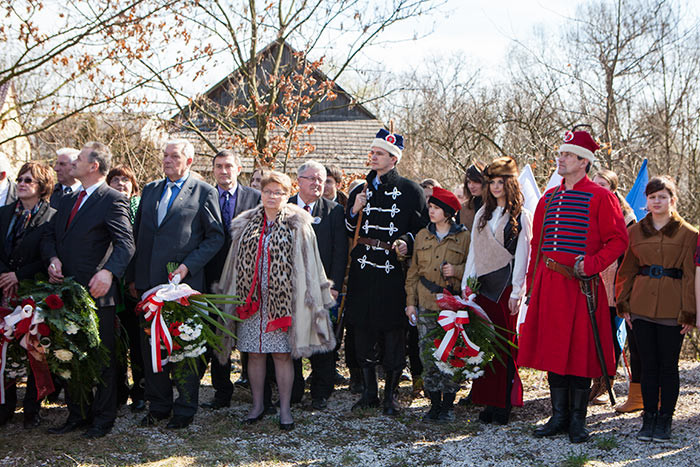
{"x": 554, "y": 180}
{"x": 528, "y": 187}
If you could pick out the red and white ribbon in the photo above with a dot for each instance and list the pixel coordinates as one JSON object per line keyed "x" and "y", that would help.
{"x": 453, "y": 319}
{"x": 7, "y": 329}
{"x": 453, "y": 323}
{"x": 152, "y": 306}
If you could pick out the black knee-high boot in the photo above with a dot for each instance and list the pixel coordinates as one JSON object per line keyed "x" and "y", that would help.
{"x": 369, "y": 390}
{"x": 579, "y": 406}
{"x": 391, "y": 385}
{"x": 559, "y": 394}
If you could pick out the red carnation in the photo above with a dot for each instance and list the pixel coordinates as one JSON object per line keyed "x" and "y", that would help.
{"x": 28, "y": 301}
{"x": 468, "y": 291}
{"x": 43, "y": 329}
{"x": 173, "y": 328}
{"x": 457, "y": 362}
{"x": 461, "y": 352}
{"x": 437, "y": 342}
{"x": 176, "y": 346}
{"x": 54, "y": 302}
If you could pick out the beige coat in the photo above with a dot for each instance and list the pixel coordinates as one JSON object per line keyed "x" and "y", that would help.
{"x": 311, "y": 331}
{"x": 427, "y": 259}
{"x": 671, "y": 247}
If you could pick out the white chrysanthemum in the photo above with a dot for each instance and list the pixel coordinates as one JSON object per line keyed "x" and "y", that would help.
{"x": 65, "y": 374}
{"x": 444, "y": 367}
{"x": 476, "y": 360}
{"x": 63, "y": 355}
{"x": 72, "y": 328}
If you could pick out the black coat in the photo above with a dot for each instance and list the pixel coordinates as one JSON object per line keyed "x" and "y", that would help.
{"x": 57, "y": 195}
{"x": 247, "y": 198}
{"x": 25, "y": 259}
{"x": 331, "y": 238}
{"x": 394, "y": 210}
{"x": 99, "y": 237}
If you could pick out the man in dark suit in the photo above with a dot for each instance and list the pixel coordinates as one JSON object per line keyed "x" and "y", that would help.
{"x": 8, "y": 189}
{"x": 90, "y": 239}
{"x": 329, "y": 227}
{"x": 234, "y": 198}
{"x": 67, "y": 184}
{"x": 178, "y": 221}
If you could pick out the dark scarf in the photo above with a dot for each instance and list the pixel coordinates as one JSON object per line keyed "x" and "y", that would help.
{"x": 19, "y": 223}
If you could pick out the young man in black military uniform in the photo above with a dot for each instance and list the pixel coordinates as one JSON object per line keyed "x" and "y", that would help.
{"x": 390, "y": 209}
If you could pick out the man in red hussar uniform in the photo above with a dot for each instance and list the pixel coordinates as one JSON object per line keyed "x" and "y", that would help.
{"x": 576, "y": 225}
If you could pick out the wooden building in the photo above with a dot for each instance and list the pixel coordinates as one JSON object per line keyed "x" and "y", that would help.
{"x": 342, "y": 128}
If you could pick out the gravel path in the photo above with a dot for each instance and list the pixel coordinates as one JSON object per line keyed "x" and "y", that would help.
{"x": 339, "y": 437}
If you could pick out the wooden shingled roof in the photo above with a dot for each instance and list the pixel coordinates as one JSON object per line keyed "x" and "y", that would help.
{"x": 341, "y": 143}
{"x": 343, "y": 128}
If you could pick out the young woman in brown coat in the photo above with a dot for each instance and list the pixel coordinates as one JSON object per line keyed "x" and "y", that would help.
{"x": 655, "y": 294}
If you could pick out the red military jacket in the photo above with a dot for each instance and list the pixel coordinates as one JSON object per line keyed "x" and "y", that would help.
{"x": 556, "y": 335}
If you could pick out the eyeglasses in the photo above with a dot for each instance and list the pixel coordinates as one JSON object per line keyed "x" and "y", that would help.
{"x": 275, "y": 194}
{"x": 312, "y": 179}
{"x": 26, "y": 180}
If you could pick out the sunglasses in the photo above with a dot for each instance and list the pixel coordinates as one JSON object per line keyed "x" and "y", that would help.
{"x": 26, "y": 180}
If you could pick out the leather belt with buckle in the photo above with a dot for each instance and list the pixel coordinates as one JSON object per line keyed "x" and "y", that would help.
{"x": 566, "y": 271}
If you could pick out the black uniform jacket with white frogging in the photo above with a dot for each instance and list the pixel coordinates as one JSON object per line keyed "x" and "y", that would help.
{"x": 396, "y": 209}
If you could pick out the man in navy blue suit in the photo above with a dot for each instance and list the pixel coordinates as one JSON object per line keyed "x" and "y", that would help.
{"x": 90, "y": 239}
{"x": 234, "y": 198}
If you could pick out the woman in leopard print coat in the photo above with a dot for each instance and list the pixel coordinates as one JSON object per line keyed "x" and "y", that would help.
{"x": 274, "y": 264}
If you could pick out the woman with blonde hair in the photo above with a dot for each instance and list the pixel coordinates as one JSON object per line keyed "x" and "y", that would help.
{"x": 274, "y": 265}
{"x": 598, "y": 396}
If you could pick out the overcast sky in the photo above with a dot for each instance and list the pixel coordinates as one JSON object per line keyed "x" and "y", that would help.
{"x": 481, "y": 29}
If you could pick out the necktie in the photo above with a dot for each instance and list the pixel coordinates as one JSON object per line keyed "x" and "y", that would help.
{"x": 226, "y": 211}
{"x": 67, "y": 190}
{"x": 307, "y": 208}
{"x": 76, "y": 206}
{"x": 164, "y": 202}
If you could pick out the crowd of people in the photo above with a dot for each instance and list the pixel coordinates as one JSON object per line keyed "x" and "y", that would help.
{"x": 319, "y": 269}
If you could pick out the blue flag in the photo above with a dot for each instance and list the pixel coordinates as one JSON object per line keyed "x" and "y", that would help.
{"x": 638, "y": 201}
{"x": 636, "y": 197}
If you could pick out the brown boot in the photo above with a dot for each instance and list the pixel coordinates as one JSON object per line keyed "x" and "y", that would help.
{"x": 597, "y": 388}
{"x": 602, "y": 398}
{"x": 634, "y": 400}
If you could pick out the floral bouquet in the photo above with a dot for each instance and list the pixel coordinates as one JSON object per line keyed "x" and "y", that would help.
{"x": 54, "y": 329}
{"x": 180, "y": 319}
{"x": 466, "y": 340}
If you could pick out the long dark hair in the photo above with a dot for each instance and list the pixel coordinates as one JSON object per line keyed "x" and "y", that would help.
{"x": 475, "y": 173}
{"x": 514, "y": 203}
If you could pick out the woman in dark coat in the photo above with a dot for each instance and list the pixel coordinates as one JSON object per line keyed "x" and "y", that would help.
{"x": 21, "y": 227}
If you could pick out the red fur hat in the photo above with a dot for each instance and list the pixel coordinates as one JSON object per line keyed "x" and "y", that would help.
{"x": 580, "y": 143}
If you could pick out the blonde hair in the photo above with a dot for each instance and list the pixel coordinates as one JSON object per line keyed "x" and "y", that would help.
{"x": 614, "y": 182}
{"x": 277, "y": 177}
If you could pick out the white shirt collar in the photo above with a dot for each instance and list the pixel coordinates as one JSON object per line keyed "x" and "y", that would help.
{"x": 301, "y": 203}
{"x": 74, "y": 187}
{"x": 91, "y": 189}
